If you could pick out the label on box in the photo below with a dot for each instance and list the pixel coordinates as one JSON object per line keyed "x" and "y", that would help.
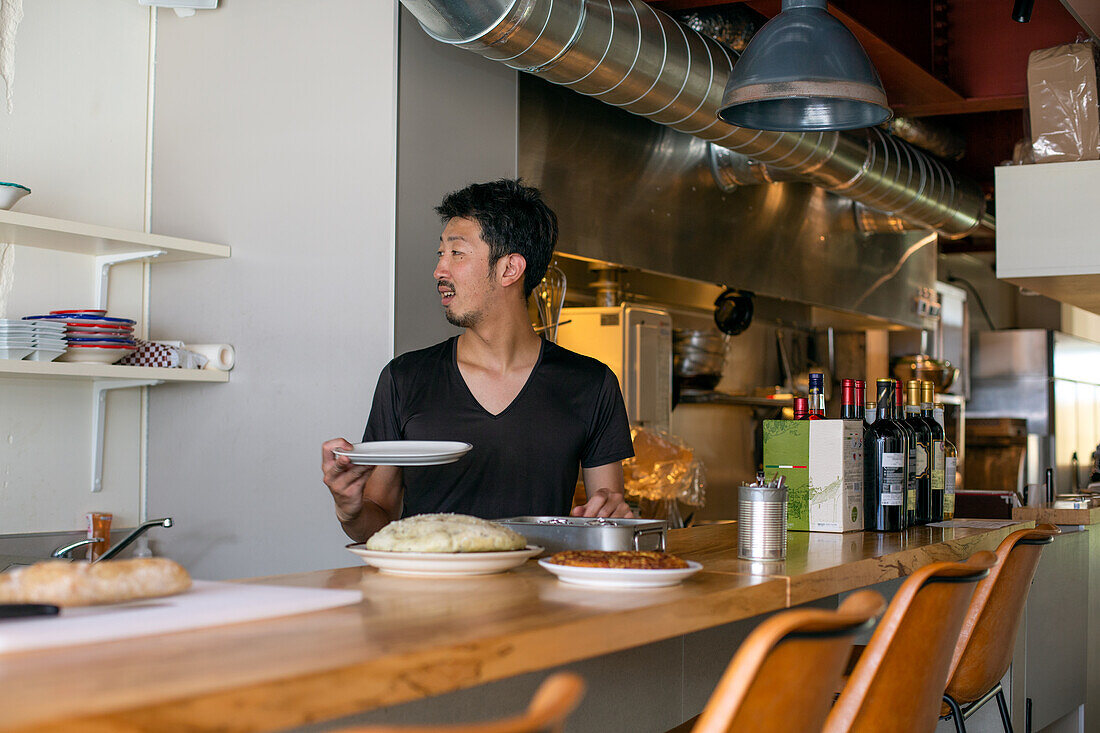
{"x": 822, "y": 461}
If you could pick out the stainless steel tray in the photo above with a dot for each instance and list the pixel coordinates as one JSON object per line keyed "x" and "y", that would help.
{"x": 586, "y": 533}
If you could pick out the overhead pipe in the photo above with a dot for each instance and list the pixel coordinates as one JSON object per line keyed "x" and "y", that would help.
{"x": 629, "y": 55}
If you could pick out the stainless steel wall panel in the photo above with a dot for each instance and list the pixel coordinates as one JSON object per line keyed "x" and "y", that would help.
{"x": 1016, "y": 353}
{"x": 637, "y": 194}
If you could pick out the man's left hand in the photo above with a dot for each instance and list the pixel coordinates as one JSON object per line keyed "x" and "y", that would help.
{"x": 604, "y": 503}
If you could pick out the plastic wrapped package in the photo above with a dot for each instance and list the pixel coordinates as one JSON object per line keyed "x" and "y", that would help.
{"x": 663, "y": 468}
{"x": 1062, "y": 101}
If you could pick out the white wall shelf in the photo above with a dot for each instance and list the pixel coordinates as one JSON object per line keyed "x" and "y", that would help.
{"x": 31, "y": 230}
{"x": 70, "y": 370}
{"x": 1047, "y": 221}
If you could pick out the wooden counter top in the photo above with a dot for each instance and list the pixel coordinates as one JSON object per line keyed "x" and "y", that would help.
{"x": 412, "y": 638}
{"x": 821, "y": 564}
{"x": 1047, "y": 514}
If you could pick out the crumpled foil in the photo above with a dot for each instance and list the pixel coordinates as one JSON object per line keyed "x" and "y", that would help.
{"x": 663, "y": 467}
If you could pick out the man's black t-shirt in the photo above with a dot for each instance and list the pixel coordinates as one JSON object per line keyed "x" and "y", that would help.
{"x": 524, "y": 460}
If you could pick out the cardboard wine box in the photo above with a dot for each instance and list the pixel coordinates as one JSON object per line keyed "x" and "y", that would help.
{"x": 822, "y": 461}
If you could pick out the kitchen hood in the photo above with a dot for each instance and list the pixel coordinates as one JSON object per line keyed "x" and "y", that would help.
{"x": 629, "y": 55}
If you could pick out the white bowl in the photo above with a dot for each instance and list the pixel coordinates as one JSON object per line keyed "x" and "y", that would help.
{"x": 45, "y": 354}
{"x": 10, "y": 193}
{"x": 95, "y": 354}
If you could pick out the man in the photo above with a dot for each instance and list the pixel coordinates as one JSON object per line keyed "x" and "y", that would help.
{"x": 532, "y": 410}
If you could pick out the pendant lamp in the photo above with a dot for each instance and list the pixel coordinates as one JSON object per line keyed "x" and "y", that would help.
{"x": 804, "y": 71}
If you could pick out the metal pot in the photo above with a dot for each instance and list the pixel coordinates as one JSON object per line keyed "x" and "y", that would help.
{"x": 698, "y": 353}
{"x": 921, "y": 366}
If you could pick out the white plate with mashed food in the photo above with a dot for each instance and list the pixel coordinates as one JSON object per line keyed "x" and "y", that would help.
{"x": 621, "y": 577}
{"x": 444, "y": 544}
{"x": 444, "y": 563}
{"x": 405, "y": 452}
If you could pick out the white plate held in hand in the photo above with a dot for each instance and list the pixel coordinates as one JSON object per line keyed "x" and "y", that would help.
{"x": 405, "y": 452}
{"x": 620, "y": 577}
{"x": 444, "y": 563}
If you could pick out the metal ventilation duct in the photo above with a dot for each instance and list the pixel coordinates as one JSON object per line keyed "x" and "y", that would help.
{"x": 627, "y": 54}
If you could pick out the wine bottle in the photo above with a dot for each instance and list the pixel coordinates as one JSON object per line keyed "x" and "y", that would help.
{"x": 950, "y": 461}
{"x": 911, "y": 453}
{"x": 848, "y": 402}
{"x": 817, "y": 396}
{"x": 861, "y": 396}
{"x": 923, "y": 429}
{"x": 885, "y": 450}
{"x": 801, "y": 408}
{"x": 936, "y": 469}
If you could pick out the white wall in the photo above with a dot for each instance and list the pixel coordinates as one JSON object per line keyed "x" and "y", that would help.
{"x": 274, "y": 133}
{"x": 481, "y": 103}
{"x": 77, "y": 138}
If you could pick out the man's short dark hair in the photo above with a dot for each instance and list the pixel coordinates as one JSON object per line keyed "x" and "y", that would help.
{"x": 514, "y": 220}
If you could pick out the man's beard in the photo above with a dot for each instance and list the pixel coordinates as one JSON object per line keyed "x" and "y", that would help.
{"x": 464, "y": 320}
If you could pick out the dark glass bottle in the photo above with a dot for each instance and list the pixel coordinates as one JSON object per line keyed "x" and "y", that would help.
{"x": 849, "y": 409}
{"x": 937, "y": 468}
{"x": 817, "y": 396}
{"x": 861, "y": 396}
{"x": 801, "y": 408}
{"x": 885, "y": 458}
{"x": 922, "y": 427}
{"x": 898, "y": 416}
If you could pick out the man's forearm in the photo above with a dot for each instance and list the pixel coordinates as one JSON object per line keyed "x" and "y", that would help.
{"x": 369, "y": 520}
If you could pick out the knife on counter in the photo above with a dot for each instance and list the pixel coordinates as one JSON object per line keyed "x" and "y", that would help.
{"x": 26, "y": 610}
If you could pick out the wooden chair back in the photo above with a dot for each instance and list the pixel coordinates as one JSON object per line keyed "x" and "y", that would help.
{"x": 988, "y": 635}
{"x": 898, "y": 683}
{"x": 784, "y": 675}
{"x": 552, "y": 703}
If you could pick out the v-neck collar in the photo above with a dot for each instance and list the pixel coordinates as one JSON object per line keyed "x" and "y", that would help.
{"x": 469, "y": 392}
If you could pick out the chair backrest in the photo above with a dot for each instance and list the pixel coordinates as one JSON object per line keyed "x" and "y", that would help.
{"x": 552, "y": 703}
{"x": 988, "y": 635}
{"x": 898, "y": 683}
{"x": 785, "y": 674}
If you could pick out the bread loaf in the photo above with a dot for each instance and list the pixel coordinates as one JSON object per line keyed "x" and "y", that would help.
{"x": 61, "y": 583}
{"x": 445, "y": 533}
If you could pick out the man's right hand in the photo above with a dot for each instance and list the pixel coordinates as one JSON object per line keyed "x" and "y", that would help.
{"x": 344, "y": 480}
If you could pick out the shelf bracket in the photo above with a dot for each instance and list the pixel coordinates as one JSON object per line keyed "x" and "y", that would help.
{"x": 104, "y": 264}
{"x": 99, "y": 404}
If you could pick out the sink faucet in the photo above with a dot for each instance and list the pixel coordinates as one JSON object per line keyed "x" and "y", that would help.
{"x": 64, "y": 550}
{"x": 163, "y": 522}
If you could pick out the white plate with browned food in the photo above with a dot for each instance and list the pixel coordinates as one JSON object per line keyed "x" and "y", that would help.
{"x": 444, "y": 544}
{"x": 619, "y": 569}
{"x": 405, "y": 452}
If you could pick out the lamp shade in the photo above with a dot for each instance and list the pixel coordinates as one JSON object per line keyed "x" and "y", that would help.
{"x": 804, "y": 71}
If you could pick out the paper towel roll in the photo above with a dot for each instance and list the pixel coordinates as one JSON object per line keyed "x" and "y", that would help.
{"x": 221, "y": 356}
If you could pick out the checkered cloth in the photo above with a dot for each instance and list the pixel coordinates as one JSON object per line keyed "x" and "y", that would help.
{"x": 151, "y": 354}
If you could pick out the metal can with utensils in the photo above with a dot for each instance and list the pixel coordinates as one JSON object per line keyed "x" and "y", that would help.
{"x": 762, "y": 520}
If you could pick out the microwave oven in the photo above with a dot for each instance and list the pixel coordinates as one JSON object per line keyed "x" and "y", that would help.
{"x": 635, "y": 342}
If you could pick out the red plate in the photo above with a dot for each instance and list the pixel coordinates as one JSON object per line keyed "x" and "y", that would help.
{"x": 87, "y": 325}
{"x": 83, "y": 312}
{"x": 103, "y": 346}
{"x": 100, "y": 331}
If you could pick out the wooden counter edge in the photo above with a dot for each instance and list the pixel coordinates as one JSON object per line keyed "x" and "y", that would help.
{"x": 404, "y": 677}
{"x": 1050, "y": 515}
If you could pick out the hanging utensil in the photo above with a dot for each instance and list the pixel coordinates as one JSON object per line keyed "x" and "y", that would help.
{"x": 550, "y": 297}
